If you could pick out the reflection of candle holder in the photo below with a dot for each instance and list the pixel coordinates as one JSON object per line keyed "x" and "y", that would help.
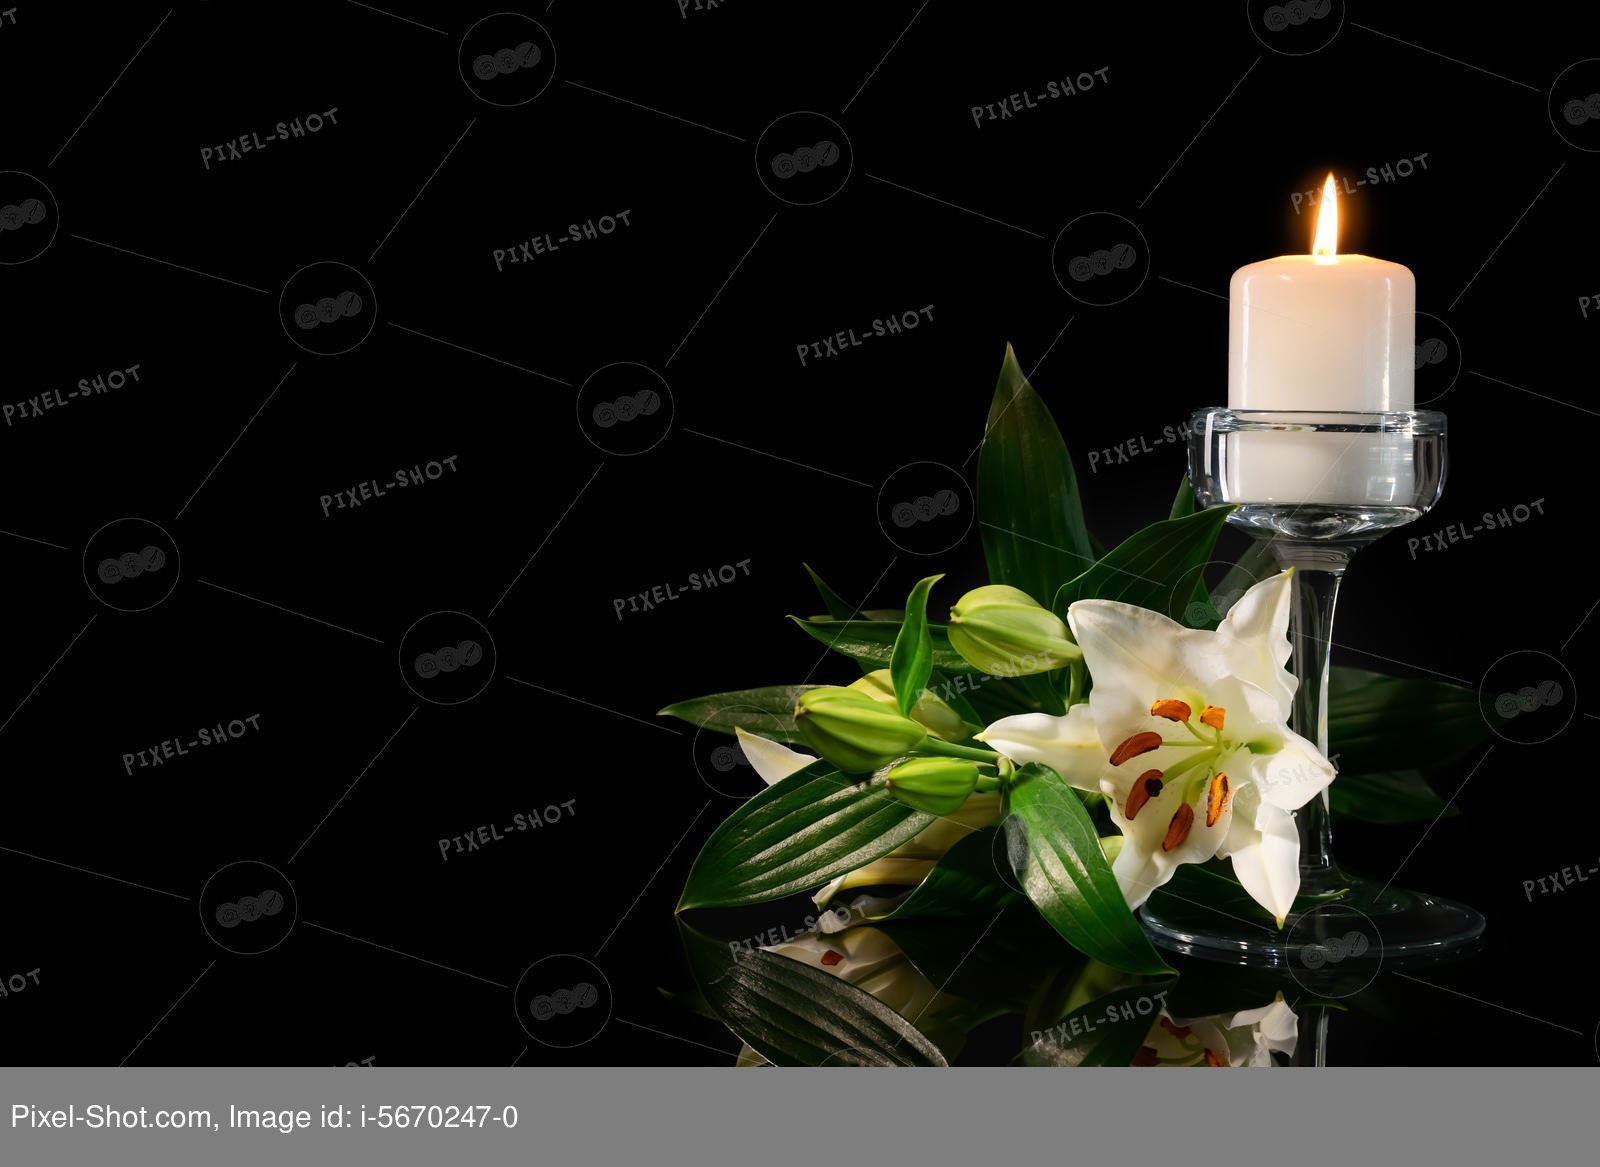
{"x": 1317, "y": 486}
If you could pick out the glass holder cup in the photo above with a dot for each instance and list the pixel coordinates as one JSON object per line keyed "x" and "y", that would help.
{"x": 1318, "y": 486}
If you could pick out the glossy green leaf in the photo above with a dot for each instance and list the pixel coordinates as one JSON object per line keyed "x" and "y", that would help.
{"x": 1183, "y": 501}
{"x": 1029, "y": 510}
{"x": 1395, "y": 796}
{"x": 796, "y": 1015}
{"x": 944, "y": 687}
{"x": 911, "y": 659}
{"x": 964, "y": 883}
{"x": 1156, "y": 568}
{"x": 991, "y": 697}
{"x": 871, "y": 642}
{"x": 836, "y": 607}
{"x": 1383, "y": 723}
{"x": 796, "y": 834}
{"x": 1056, "y": 855}
{"x": 767, "y": 711}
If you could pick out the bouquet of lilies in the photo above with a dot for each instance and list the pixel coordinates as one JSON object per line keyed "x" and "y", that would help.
{"x": 983, "y": 810}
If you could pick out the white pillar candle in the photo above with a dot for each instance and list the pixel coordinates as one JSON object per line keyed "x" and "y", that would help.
{"x": 1321, "y": 333}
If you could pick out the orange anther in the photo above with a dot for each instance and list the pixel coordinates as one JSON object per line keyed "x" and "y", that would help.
{"x": 1139, "y": 743}
{"x": 1221, "y": 792}
{"x": 1178, "y": 829}
{"x": 1147, "y": 786}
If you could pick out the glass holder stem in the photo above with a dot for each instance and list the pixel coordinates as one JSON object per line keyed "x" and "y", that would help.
{"x": 1314, "y": 591}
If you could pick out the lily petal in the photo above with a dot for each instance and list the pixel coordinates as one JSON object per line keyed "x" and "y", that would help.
{"x": 1292, "y": 774}
{"x": 1069, "y": 745}
{"x": 1255, "y": 634}
{"x": 1264, "y": 845}
{"x": 772, "y": 760}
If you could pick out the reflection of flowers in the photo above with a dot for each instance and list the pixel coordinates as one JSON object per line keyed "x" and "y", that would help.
{"x": 868, "y": 959}
{"x": 1247, "y": 1038}
{"x": 1186, "y": 733}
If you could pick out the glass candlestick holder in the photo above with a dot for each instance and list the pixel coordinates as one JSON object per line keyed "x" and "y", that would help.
{"x": 1318, "y": 486}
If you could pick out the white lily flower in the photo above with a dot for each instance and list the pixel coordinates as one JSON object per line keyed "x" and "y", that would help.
{"x": 1247, "y": 1038}
{"x": 1186, "y": 732}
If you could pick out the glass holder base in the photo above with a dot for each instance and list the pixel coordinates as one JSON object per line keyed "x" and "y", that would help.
{"x": 1354, "y": 931}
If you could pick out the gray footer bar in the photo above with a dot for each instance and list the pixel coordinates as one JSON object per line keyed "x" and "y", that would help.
{"x": 465, "y": 1117}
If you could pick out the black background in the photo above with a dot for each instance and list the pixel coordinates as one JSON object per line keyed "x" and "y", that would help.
{"x": 1199, "y": 133}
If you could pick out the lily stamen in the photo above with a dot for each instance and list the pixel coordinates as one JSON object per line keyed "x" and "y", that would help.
{"x": 1178, "y": 828}
{"x": 1139, "y": 743}
{"x": 1172, "y": 709}
{"x": 1148, "y": 786}
{"x": 1220, "y": 793}
{"x": 1213, "y": 716}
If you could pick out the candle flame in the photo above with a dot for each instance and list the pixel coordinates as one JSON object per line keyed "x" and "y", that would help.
{"x": 1325, "y": 243}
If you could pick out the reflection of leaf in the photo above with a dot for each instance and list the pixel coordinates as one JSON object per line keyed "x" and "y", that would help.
{"x": 1205, "y": 989}
{"x": 796, "y": 1015}
{"x": 997, "y": 959}
{"x": 1108, "y": 1031}
{"x": 800, "y": 832}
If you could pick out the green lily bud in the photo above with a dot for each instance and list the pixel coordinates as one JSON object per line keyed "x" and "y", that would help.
{"x": 1006, "y": 633}
{"x": 930, "y": 711}
{"x": 854, "y": 732}
{"x": 936, "y": 785}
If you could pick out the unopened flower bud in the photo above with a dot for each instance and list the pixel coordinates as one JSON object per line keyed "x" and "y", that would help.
{"x": 930, "y": 712}
{"x": 935, "y": 785}
{"x": 1006, "y": 633}
{"x": 852, "y": 731}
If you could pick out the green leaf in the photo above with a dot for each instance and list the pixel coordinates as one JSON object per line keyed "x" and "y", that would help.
{"x": 1383, "y": 723}
{"x": 1151, "y": 568}
{"x": 964, "y": 883}
{"x": 991, "y": 697}
{"x": 911, "y": 661}
{"x": 1056, "y": 855}
{"x": 944, "y": 687}
{"x": 796, "y": 1015}
{"x": 1183, "y": 501}
{"x": 1029, "y": 510}
{"x": 768, "y": 711}
{"x": 872, "y": 642}
{"x": 1397, "y": 796}
{"x": 1108, "y": 1031}
{"x": 813, "y": 825}
{"x": 836, "y": 607}
{"x": 1212, "y": 885}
